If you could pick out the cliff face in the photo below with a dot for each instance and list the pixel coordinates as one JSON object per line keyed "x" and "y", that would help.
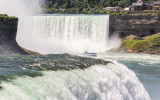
{"x": 8, "y": 32}
{"x": 137, "y": 24}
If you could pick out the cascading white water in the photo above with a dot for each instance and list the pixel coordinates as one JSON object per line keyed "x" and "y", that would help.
{"x": 111, "y": 82}
{"x": 66, "y": 33}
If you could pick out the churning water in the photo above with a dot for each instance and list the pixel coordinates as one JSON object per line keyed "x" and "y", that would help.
{"x": 113, "y": 81}
{"x": 146, "y": 67}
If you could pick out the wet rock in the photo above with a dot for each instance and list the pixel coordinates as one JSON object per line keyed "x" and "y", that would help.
{"x": 65, "y": 62}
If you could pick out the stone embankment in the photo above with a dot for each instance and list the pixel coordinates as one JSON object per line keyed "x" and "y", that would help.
{"x": 134, "y": 24}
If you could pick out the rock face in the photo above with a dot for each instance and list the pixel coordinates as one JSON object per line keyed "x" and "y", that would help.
{"x": 8, "y": 32}
{"x": 137, "y": 24}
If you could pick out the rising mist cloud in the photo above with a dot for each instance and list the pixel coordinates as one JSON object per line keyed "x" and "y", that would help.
{"x": 20, "y": 7}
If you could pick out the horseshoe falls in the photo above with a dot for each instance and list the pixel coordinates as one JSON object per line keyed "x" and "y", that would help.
{"x": 66, "y": 33}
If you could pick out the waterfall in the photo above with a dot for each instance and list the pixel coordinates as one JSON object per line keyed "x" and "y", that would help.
{"x": 112, "y": 82}
{"x": 65, "y": 33}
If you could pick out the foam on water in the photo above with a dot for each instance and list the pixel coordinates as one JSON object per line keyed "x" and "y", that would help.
{"x": 146, "y": 67}
{"x": 144, "y": 58}
{"x": 111, "y": 82}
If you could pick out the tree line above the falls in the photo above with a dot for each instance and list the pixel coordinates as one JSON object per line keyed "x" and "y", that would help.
{"x": 84, "y": 6}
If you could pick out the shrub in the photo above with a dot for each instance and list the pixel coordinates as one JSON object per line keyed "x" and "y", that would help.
{"x": 5, "y": 17}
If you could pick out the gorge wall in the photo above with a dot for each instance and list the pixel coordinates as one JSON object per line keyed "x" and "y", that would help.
{"x": 136, "y": 24}
{"x": 8, "y": 32}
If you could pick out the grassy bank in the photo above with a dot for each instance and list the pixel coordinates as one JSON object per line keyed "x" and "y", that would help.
{"x": 149, "y": 44}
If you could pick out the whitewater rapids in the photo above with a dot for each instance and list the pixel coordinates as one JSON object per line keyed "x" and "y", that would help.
{"x": 99, "y": 82}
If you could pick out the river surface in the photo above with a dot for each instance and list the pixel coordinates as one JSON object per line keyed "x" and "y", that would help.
{"x": 126, "y": 77}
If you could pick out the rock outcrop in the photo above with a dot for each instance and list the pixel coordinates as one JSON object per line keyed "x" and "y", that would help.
{"x": 8, "y": 32}
{"x": 148, "y": 44}
{"x": 137, "y": 24}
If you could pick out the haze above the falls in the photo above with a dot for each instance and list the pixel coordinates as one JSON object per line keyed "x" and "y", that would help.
{"x": 20, "y": 7}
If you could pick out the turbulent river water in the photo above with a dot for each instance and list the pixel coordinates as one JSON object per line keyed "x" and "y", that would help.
{"x": 146, "y": 67}
{"x": 67, "y": 77}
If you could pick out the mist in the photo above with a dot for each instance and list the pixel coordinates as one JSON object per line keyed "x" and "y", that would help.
{"x": 20, "y": 7}
{"x": 48, "y": 34}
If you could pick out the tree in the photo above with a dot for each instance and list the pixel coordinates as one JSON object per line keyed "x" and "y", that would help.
{"x": 80, "y": 5}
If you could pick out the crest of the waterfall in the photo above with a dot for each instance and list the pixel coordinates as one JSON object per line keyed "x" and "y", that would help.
{"x": 66, "y": 33}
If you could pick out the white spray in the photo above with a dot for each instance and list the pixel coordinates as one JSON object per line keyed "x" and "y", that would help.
{"x": 67, "y": 33}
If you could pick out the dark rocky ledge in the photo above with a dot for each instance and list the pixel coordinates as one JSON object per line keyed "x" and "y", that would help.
{"x": 32, "y": 65}
{"x": 8, "y": 32}
{"x": 134, "y": 24}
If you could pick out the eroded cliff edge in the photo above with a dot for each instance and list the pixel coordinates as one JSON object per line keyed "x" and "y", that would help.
{"x": 8, "y": 33}
{"x": 134, "y": 24}
{"x": 140, "y": 32}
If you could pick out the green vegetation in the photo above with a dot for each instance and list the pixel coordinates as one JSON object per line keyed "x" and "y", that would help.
{"x": 150, "y": 44}
{"x": 5, "y": 17}
{"x": 85, "y": 6}
{"x": 117, "y": 13}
